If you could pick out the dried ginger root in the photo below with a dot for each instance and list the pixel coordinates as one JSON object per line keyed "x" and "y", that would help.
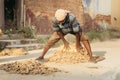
{"x": 63, "y": 55}
{"x": 13, "y": 52}
{"x": 28, "y": 67}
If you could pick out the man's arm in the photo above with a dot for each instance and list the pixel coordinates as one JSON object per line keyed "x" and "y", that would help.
{"x": 77, "y": 31}
{"x": 77, "y": 38}
{"x": 78, "y": 45}
{"x": 58, "y": 30}
{"x": 66, "y": 44}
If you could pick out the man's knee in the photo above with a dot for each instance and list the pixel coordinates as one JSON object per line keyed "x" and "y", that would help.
{"x": 53, "y": 39}
{"x": 84, "y": 38}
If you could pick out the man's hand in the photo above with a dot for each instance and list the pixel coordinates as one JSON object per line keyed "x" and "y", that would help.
{"x": 66, "y": 45}
{"x": 78, "y": 47}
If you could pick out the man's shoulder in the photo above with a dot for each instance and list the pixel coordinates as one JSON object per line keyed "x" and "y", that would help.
{"x": 71, "y": 17}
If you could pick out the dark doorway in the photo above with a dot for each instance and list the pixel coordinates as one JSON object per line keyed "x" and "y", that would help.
{"x": 10, "y": 14}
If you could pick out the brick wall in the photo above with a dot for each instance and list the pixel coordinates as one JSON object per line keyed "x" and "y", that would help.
{"x": 41, "y": 12}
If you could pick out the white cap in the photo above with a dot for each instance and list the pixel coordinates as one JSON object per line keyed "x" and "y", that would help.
{"x": 60, "y": 14}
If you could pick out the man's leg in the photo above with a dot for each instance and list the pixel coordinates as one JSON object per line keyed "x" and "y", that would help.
{"x": 86, "y": 43}
{"x": 53, "y": 39}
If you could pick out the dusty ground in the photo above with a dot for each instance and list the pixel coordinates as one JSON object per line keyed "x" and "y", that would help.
{"x": 107, "y": 69}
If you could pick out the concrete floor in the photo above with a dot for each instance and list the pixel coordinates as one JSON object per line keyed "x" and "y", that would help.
{"x": 107, "y": 69}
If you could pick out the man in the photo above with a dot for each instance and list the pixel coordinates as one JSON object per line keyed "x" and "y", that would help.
{"x": 65, "y": 22}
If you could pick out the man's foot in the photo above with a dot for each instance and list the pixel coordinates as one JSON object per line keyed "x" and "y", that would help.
{"x": 92, "y": 60}
{"x": 39, "y": 58}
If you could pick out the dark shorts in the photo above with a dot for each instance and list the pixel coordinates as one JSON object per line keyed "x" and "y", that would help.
{"x": 80, "y": 32}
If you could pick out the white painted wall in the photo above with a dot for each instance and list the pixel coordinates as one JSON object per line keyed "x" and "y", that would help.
{"x": 104, "y": 7}
{"x": 98, "y": 6}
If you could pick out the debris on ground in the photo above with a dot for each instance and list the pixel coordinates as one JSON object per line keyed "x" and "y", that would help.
{"x": 13, "y": 52}
{"x": 63, "y": 55}
{"x": 28, "y": 67}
